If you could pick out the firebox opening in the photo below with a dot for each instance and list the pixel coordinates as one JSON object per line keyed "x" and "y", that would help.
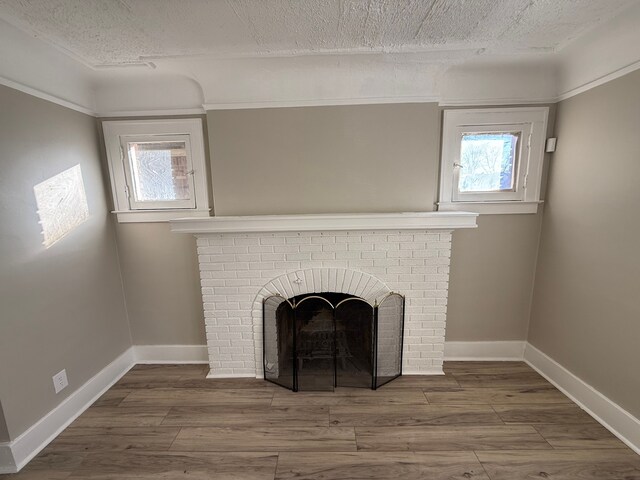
{"x": 321, "y": 341}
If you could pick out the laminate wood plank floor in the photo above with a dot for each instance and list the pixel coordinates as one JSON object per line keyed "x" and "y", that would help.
{"x": 481, "y": 420}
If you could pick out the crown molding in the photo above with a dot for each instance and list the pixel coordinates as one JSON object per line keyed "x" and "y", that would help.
{"x": 319, "y": 102}
{"x": 46, "y": 96}
{"x": 152, "y": 113}
{"x": 599, "y": 81}
{"x": 491, "y": 102}
{"x": 453, "y": 102}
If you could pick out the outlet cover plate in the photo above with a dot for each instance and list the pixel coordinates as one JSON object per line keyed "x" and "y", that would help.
{"x": 60, "y": 381}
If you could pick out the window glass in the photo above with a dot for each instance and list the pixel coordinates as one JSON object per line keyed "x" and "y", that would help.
{"x": 488, "y": 162}
{"x": 159, "y": 171}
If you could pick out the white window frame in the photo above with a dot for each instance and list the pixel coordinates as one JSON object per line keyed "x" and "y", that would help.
{"x": 530, "y": 122}
{"x": 116, "y": 135}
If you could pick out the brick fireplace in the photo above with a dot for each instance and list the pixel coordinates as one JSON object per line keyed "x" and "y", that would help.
{"x": 243, "y": 260}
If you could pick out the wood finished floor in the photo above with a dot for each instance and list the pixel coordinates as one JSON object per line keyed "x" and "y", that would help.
{"x": 482, "y": 420}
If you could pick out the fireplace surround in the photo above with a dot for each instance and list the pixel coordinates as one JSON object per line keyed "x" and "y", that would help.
{"x": 245, "y": 260}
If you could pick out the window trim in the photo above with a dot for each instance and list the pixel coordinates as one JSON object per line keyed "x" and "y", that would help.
{"x": 118, "y": 131}
{"x": 533, "y": 124}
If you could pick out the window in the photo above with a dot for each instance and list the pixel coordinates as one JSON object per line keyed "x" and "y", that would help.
{"x": 492, "y": 159}
{"x": 157, "y": 169}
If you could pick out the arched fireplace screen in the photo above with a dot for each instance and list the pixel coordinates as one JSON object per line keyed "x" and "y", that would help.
{"x": 327, "y": 340}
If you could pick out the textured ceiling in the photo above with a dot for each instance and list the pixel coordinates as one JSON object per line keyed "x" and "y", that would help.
{"x": 115, "y": 32}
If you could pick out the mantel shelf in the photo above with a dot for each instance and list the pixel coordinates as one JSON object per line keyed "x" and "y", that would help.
{"x": 326, "y": 222}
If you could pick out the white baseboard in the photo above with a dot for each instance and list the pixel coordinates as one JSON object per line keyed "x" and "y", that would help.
{"x": 233, "y": 375}
{"x": 150, "y": 354}
{"x": 30, "y": 443}
{"x": 430, "y": 371}
{"x": 489, "y": 351}
{"x": 612, "y": 416}
{"x": 7, "y": 462}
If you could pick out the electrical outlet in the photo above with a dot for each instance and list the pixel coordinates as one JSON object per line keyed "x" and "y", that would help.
{"x": 60, "y": 381}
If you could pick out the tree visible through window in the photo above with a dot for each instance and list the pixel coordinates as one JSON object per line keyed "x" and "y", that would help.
{"x": 488, "y": 162}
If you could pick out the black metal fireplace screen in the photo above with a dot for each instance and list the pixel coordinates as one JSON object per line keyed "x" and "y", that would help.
{"x": 325, "y": 340}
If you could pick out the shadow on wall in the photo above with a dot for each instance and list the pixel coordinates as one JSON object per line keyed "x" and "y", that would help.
{"x": 4, "y": 432}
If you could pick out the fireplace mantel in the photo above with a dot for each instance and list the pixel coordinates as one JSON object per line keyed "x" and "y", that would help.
{"x": 326, "y": 222}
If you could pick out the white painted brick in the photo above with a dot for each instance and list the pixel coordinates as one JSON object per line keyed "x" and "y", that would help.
{"x": 232, "y": 249}
{"x": 262, "y": 265}
{"x": 439, "y": 245}
{"x": 401, "y": 238}
{"x": 319, "y": 240}
{"x": 328, "y": 263}
{"x": 334, "y": 247}
{"x": 378, "y": 238}
{"x": 311, "y": 248}
{"x": 276, "y": 257}
{"x": 223, "y": 274}
{"x": 287, "y": 266}
{"x": 425, "y": 269}
{"x": 324, "y": 255}
{"x": 297, "y": 256}
{"x": 400, "y": 253}
{"x": 348, "y": 255}
{"x": 426, "y": 237}
{"x": 424, "y": 253}
{"x": 360, "y": 263}
{"x": 220, "y": 240}
{"x": 385, "y": 262}
{"x": 375, "y": 254}
{"x": 349, "y": 239}
{"x": 205, "y": 267}
{"x": 297, "y": 240}
{"x": 247, "y": 241}
{"x": 360, "y": 247}
{"x": 412, "y": 262}
{"x": 411, "y": 277}
{"x": 209, "y": 250}
{"x": 272, "y": 240}
{"x": 412, "y": 246}
{"x": 248, "y": 257}
{"x": 286, "y": 248}
{"x": 386, "y": 246}
{"x": 260, "y": 248}
{"x": 391, "y": 256}
{"x": 237, "y": 282}
{"x": 236, "y": 266}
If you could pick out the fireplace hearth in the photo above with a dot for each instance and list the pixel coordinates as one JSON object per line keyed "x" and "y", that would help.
{"x": 321, "y": 341}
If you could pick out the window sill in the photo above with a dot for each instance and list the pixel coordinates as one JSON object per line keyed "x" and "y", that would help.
{"x": 491, "y": 208}
{"x": 164, "y": 215}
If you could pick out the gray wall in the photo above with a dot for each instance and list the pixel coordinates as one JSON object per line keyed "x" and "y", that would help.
{"x": 368, "y": 158}
{"x": 374, "y": 158}
{"x": 492, "y": 273}
{"x": 162, "y": 285}
{"x": 62, "y": 307}
{"x": 586, "y": 308}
